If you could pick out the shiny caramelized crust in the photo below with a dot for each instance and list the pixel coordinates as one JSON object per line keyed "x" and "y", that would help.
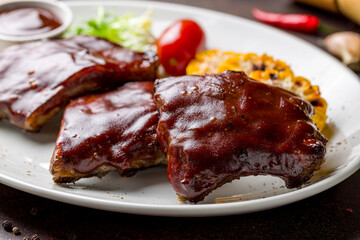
{"x": 38, "y": 78}
{"x": 104, "y": 132}
{"x": 218, "y": 127}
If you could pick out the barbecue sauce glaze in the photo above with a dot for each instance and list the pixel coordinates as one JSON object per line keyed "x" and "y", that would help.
{"x": 219, "y": 127}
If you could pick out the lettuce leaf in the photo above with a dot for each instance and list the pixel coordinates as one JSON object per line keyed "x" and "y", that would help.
{"x": 129, "y": 30}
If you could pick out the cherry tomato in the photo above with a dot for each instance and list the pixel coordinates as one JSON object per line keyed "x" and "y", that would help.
{"x": 178, "y": 44}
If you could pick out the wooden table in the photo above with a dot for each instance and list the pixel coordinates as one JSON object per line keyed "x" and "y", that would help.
{"x": 333, "y": 214}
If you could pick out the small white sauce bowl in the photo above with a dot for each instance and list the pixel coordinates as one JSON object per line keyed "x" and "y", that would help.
{"x": 60, "y": 9}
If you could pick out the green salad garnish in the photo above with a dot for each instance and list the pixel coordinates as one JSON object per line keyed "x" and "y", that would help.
{"x": 129, "y": 30}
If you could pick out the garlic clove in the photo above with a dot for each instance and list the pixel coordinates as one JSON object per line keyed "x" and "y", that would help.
{"x": 345, "y": 45}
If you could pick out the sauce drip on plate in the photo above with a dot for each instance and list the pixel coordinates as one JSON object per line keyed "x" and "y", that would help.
{"x": 28, "y": 21}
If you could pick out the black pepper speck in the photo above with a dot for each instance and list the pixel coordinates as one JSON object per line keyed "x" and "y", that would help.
{"x": 35, "y": 237}
{"x": 7, "y": 225}
{"x": 34, "y": 211}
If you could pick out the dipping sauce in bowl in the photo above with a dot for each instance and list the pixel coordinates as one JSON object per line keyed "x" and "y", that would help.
{"x": 28, "y": 21}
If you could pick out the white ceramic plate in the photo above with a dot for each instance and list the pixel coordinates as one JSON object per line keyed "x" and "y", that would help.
{"x": 24, "y": 156}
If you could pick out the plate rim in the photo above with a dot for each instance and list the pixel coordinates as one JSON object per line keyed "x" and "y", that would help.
{"x": 186, "y": 210}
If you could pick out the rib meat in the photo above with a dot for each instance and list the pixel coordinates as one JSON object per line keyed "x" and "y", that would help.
{"x": 103, "y": 132}
{"x": 219, "y": 127}
{"x": 38, "y": 78}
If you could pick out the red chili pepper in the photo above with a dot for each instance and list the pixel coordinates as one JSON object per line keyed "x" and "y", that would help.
{"x": 296, "y": 22}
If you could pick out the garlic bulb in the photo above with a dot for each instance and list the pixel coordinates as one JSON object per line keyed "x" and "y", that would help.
{"x": 345, "y": 45}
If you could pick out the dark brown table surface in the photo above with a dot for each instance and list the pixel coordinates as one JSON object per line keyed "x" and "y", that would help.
{"x": 333, "y": 214}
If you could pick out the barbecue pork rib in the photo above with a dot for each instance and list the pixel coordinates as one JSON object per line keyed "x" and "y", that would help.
{"x": 218, "y": 127}
{"x": 38, "y": 78}
{"x": 108, "y": 131}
